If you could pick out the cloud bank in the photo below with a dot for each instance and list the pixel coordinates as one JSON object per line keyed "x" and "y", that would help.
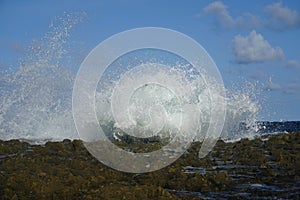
{"x": 284, "y": 88}
{"x": 293, "y": 64}
{"x": 275, "y": 17}
{"x": 281, "y": 18}
{"x": 254, "y": 48}
{"x": 221, "y": 14}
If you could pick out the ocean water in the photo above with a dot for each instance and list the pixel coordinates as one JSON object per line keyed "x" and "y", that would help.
{"x": 277, "y": 127}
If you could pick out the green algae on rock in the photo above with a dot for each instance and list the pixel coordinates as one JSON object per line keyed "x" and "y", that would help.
{"x": 266, "y": 167}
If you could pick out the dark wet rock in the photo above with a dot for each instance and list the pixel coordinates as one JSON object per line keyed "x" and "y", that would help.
{"x": 266, "y": 167}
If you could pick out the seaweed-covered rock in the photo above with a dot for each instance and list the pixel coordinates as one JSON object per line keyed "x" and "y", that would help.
{"x": 267, "y": 167}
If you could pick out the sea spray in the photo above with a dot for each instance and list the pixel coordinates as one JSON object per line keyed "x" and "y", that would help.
{"x": 36, "y": 98}
{"x": 242, "y": 105}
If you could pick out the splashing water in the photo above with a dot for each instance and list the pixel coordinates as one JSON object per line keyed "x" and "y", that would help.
{"x": 241, "y": 114}
{"x": 152, "y": 104}
{"x": 36, "y": 98}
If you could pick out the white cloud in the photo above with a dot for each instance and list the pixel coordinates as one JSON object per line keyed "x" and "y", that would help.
{"x": 223, "y": 17}
{"x": 293, "y": 64}
{"x": 281, "y": 18}
{"x": 219, "y": 10}
{"x": 292, "y": 89}
{"x": 257, "y": 74}
{"x": 254, "y": 48}
{"x": 276, "y": 17}
{"x": 285, "y": 89}
{"x": 248, "y": 20}
{"x": 271, "y": 86}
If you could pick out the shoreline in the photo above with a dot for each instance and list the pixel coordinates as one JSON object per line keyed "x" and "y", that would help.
{"x": 246, "y": 169}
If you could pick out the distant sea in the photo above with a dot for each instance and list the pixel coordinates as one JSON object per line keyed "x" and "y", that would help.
{"x": 265, "y": 127}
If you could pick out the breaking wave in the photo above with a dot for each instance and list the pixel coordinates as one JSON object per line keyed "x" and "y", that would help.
{"x": 36, "y": 98}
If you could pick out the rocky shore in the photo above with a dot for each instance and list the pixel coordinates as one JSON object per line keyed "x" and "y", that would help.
{"x": 262, "y": 168}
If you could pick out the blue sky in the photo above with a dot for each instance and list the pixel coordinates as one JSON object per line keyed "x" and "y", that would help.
{"x": 255, "y": 41}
